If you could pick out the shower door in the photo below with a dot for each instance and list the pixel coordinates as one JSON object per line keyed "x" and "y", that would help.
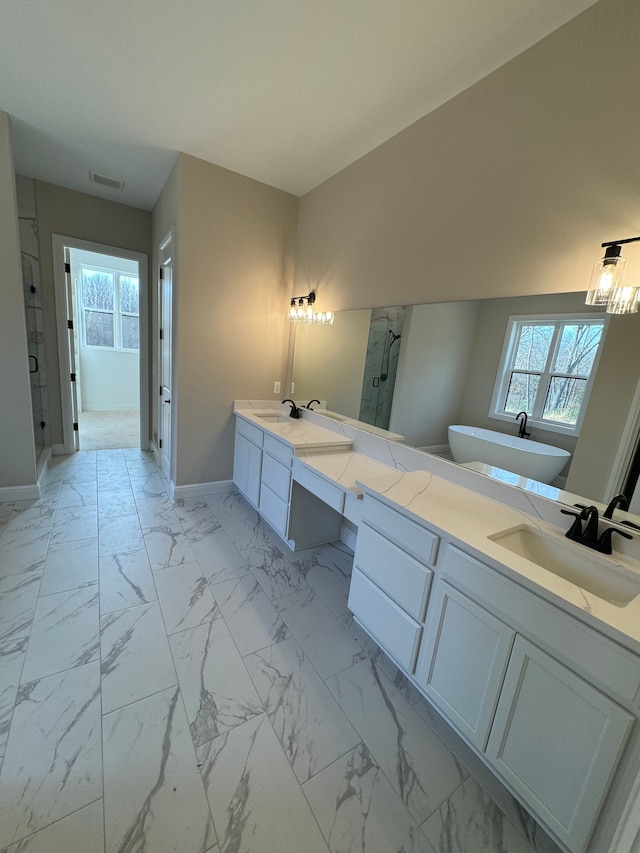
{"x": 33, "y": 313}
{"x": 381, "y": 366}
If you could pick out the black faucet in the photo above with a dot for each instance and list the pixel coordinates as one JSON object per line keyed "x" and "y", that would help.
{"x": 619, "y": 502}
{"x": 308, "y": 406}
{"x": 522, "y": 432}
{"x": 295, "y": 411}
{"x": 588, "y": 535}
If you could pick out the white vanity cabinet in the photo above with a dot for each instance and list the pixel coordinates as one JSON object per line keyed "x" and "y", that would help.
{"x": 545, "y": 700}
{"x": 463, "y": 659}
{"x": 275, "y": 484}
{"x": 303, "y": 513}
{"x": 389, "y": 586}
{"x": 556, "y": 740}
{"x": 247, "y": 460}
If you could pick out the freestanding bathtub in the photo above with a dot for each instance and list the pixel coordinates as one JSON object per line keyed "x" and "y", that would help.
{"x": 528, "y": 458}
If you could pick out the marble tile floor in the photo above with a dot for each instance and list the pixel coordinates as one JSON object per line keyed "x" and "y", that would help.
{"x": 170, "y": 680}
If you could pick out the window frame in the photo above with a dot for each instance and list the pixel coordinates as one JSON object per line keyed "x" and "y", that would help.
{"x": 117, "y": 312}
{"x": 507, "y": 358}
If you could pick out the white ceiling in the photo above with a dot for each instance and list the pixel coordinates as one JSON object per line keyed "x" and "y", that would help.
{"x": 285, "y": 91}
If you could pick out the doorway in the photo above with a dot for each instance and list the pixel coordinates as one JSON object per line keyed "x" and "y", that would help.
{"x": 101, "y": 306}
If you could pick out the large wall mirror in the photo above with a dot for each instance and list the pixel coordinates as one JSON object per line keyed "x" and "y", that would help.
{"x": 417, "y": 369}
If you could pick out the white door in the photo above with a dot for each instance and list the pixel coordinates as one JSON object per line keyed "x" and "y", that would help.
{"x": 71, "y": 348}
{"x": 165, "y": 326}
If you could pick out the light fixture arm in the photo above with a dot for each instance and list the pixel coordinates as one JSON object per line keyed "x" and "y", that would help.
{"x": 310, "y": 298}
{"x": 620, "y": 242}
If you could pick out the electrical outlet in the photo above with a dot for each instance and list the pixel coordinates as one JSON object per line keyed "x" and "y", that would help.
{"x": 276, "y": 387}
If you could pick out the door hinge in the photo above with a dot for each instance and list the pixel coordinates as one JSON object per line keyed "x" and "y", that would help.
{"x": 72, "y": 377}
{"x": 67, "y": 267}
{"x": 75, "y": 426}
{"x": 160, "y": 444}
{"x": 161, "y": 334}
{"x": 69, "y": 324}
{"x": 32, "y": 289}
{"x": 161, "y": 273}
{"x": 42, "y": 424}
{"x": 160, "y": 391}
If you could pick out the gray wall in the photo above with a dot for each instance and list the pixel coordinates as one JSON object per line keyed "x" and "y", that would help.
{"x": 234, "y": 278}
{"x": 17, "y": 454}
{"x": 329, "y": 361}
{"x": 74, "y": 214}
{"x": 510, "y": 187}
{"x": 432, "y": 370}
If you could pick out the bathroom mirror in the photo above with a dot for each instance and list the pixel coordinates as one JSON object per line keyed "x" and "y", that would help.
{"x": 439, "y": 363}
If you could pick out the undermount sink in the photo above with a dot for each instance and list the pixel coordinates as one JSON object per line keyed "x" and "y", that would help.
{"x": 597, "y": 573}
{"x": 276, "y": 418}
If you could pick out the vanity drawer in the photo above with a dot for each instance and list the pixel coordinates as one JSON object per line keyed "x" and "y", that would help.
{"x": 276, "y": 476}
{"x": 404, "y": 580}
{"x": 390, "y": 626}
{"x": 318, "y": 486}
{"x": 250, "y": 431}
{"x": 274, "y": 510}
{"x": 415, "y": 540}
{"x": 278, "y": 449}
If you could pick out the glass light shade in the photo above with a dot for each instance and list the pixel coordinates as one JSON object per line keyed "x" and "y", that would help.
{"x": 624, "y": 300}
{"x": 607, "y": 275}
{"x": 293, "y": 312}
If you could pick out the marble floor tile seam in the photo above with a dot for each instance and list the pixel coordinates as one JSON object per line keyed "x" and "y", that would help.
{"x": 409, "y": 817}
{"x": 267, "y": 722}
{"x": 372, "y": 747}
{"x": 27, "y": 839}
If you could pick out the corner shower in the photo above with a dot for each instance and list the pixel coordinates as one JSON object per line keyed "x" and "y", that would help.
{"x": 381, "y": 365}
{"x": 33, "y": 305}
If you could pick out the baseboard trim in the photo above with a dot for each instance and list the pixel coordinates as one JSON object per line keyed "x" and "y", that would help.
{"x": 58, "y": 450}
{"x": 19, "y": 493}
{"x": 196, "y": 490}
{"x": 436, "y": 449}
{"x": 349, "y": 536}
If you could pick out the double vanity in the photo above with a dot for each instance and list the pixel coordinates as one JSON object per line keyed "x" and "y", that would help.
{"x": 526, "y": 643}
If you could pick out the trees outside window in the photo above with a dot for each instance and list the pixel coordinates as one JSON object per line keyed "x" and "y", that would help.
{"x": 547, "y": 369}
{"x": 110, "y": 308}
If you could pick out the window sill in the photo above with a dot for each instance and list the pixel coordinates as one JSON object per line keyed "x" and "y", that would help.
{"x": 571, "y": 432}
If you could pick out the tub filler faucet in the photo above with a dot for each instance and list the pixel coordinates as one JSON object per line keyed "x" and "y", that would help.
{"x": 522, "y": 431}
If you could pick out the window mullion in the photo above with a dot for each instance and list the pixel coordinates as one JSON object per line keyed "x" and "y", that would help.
{"x": 545, "y": 376}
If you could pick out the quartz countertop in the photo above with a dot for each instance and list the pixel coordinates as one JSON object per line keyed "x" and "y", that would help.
{"x": 299, "y": 434}
{"x": 347, "y": 467}
{"x": 469, "y": 519}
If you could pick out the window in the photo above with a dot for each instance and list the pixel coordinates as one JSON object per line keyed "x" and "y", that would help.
{"x": 110, "y": 309}
{"x": 547, "y": 370}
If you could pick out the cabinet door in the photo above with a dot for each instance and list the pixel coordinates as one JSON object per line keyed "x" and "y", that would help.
{"x": 247, "y": 464}
{"x": 557, "y": 741}
{"x": 463, "y": 658}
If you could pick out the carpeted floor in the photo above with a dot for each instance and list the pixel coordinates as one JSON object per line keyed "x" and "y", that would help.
{"x": 109, "y": 430}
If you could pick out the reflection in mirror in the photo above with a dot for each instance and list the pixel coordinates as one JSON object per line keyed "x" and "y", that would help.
{"x": 448, "y": 357}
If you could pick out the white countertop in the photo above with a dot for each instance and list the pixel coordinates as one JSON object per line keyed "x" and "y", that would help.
{"x": 347, "y": 467}
{"x": 469, "y": 519}
{"x": 466, "y": 517}
{"x": 300, "y": 434}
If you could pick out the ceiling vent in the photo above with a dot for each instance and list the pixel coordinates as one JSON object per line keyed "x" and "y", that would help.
{"x": 104, "y": 181}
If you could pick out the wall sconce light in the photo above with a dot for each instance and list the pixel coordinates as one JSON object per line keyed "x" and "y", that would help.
{"x": 301, "y": 311}
{"x": 605, "y": 285}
